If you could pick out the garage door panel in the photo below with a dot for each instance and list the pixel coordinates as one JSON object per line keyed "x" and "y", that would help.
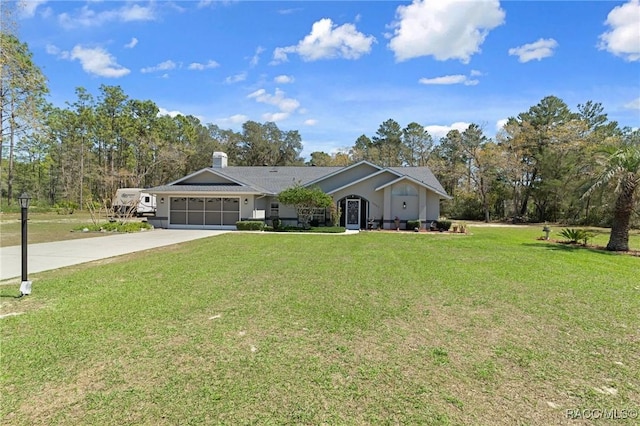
{"x": 179, "y": 218}
{"x": 204, "y": 211}
{"x": 213, "y": 218}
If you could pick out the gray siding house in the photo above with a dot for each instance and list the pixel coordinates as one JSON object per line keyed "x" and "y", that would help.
{"x": 217, "y": 197}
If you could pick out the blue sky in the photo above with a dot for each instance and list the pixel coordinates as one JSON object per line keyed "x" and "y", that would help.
{"x": 336, "y": 70}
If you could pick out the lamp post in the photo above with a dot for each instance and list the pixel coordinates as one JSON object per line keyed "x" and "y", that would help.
{"x": 25, "y": 286}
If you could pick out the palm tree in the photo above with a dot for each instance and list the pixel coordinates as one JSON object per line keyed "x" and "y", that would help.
{"x": 623, "y": 168}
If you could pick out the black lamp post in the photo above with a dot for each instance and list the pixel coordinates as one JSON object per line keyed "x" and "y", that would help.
{"x": 25, "y": 286}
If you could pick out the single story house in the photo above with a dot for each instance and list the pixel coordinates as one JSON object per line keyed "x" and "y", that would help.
{"x": 217, "y": 197}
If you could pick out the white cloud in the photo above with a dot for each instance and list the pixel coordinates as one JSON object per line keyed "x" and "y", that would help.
{"x": 475, "y": 73}
{"x": 328, "y": 41}
{"x": 623, "y": 39}
{"x": 278, "y": 99}
{"x": 543, "y": 48}
{"x": 135, "y": 12}
{"x": 28, "y": 7}
{"x": 500, "y": 123}
{"x": 236, "y": 78}
{"x": 132, "y": 43}
{"x": 205, "y": 3}
{"x": 199, "y": 67}
{"x": 449, "y": 79}
{"x": 52, "y": 49}
{"x": 86, "y": 17}
{"x": 172, "y": 114}
{"x": 256, "y": 56}
{"x": 444, "y": 29}
{"x": 284, "y": 79}
{"x": 234, "y": 119}
{"x": 634, "y": 104}
{"x": 289, "y": 11}
{"x": 275, "y": 116}
{"x": 162, "y": 66}
{"x": 440, "y": 131}
{"x": 97, "y": 61}
{"x": 310, "y": 122}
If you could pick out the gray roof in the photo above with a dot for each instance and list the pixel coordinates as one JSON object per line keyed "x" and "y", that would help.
{"x": 273, "y": 180}
{"x": 276, "y": 179}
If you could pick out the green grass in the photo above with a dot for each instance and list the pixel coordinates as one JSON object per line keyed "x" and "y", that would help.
{"x": 46, "y": 227}
{"x": 375, "y": 328}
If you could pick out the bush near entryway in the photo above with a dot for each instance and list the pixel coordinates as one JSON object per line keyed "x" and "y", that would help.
{"x": 250, "y": 225}
{"x": 413, "y": 224}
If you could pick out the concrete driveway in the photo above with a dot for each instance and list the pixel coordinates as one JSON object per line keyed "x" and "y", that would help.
{"x": 48, "y": 256}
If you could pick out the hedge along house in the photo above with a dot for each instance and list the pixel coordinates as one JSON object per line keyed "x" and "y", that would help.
{"x": 217, "y": 197}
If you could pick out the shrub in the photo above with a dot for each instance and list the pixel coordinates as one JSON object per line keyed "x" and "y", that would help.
{"x": 276, "y": 223}
{"x": 314, "y": 222}
{"x": 116, "y": 227}
{"x": 65, "y": 207}
{"x": 443, "y": 225}
{"x": 574, "y": 236}
{"x": 413, "y": 224}
{"x": 334, "y": 214}
{"x": 250, "y": 225}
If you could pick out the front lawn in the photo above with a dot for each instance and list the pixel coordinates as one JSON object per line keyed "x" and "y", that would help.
{"x": 375, "y": 328}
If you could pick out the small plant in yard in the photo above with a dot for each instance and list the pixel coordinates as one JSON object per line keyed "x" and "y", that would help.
{"x": 443, "y": 225}
{"x": 575, "y": 236}
{"x": 414, "y": 224}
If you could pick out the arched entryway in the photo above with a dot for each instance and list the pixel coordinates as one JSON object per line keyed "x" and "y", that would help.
{"x": 355, "y": 210}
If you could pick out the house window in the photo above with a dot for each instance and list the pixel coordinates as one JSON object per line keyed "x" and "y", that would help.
{"x": 319, "y": 215}
{"x": 274, "y": 210}
{"x": 404, "y": 190}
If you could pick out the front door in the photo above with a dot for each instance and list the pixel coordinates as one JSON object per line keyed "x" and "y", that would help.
{"x": 353, "y": 214}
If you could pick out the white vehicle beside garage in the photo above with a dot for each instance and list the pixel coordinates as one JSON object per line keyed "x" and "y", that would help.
{"x": 133, "y": 201}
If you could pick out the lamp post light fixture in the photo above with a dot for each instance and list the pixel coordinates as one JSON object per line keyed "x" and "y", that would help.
{"x": 25, "y": 286}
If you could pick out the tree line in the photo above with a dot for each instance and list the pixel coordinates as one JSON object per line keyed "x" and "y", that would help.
{"x": 543, "y": 165}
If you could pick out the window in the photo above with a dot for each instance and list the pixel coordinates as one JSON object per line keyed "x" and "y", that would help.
{"x": 404, "y": 189}
{"x": 319, "y": 215}
{"x": 274, "y": 211}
